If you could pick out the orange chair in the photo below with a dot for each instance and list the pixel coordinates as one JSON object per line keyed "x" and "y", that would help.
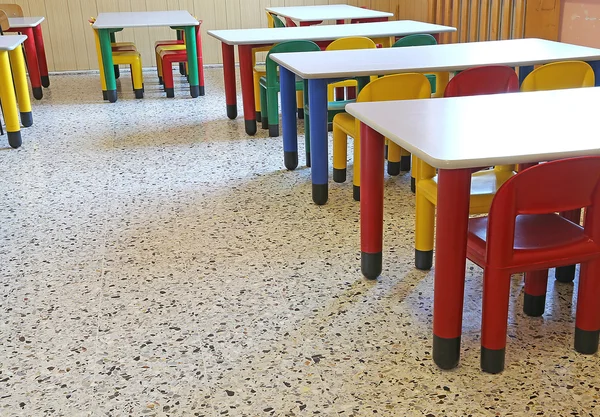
{"x": 480, "y": 80}
{"x": 524, "y": 233}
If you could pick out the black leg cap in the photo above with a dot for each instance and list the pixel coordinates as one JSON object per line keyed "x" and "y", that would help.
{"x": 194, "y": 90}
{"x": 160, "y": 80}
{"x": 104, "y": 95}
{"x": 26, "y": 118}
{"x": 117, "y": 71}
{"x": 393, "y": 168}
{"x": 45, "y": 81}
{"x": 250, "y": 127}
{"x": 370, "y": 264}
{"x": 264, "y": 121}
{"x": 385, "y": 152}
{"x": 405, "y": 163}
{"x": 201, "y": 90}
{"x": 320, "y": 193}
{"x": 413, "y": 184}
{"x": 14, "y": 139}
{"x": 38, "y": 93}
{"x": 291, "y": 160}
{"x": 423, "y": 259}
{"x": 308, "y": 161}
{"x": 534, "y": 305}
{"x": 111, "y": 95}
{"x": 356, "y": 192}
{"x": 232, "y": 111}
{"x": 565, "y": 274}
{"x": 170, "y": 92}
{"x": 300, "y": 113}
{"x": 330, "y": 127}
{"x": 139, "y": 93}
{"x": 446, "y": 352}
{"x": 586, "y": 341}
{"x": 339, "y": 175}
{"x": 273, "y": 131}
{"x": 182, "y": 69}
{"x": 258, "y": 116}
{"x": 492, "y": 360}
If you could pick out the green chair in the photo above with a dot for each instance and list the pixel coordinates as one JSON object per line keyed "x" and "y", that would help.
{"x": 277, "y": 22}
{"x": 269, "y": 85}
{"x": 419, "y": 40}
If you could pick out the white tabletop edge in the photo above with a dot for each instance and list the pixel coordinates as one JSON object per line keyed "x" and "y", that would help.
{"x": 299, "y": 13}
{"x": 25, "y": 22}
{"x": 117, "y": 20}
{"x": 10, "y": 42}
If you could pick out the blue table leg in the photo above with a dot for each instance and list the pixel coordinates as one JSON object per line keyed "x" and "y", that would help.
{"x": 317, "y": 104}
{"x": 287, "y": 88}
{"x": 596, "y": 67}
{"x": 524, "y": 72}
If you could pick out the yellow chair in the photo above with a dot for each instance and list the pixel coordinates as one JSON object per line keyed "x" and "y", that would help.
{"x": 131, "y": 58}
{"x": 392, "y": 87}
{"x": 559, "y": 75}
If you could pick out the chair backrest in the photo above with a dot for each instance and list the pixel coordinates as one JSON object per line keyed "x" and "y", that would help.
{"x": 491, "y": 79}
{"x": 559, "y": 75}
{"x": 407, "y": 86}
{"x": 277, "y": 22}
{"x": 557, "y": 186}
{"x": 4, "y": 26}
{"x": 270, "y": 22}
{"x": 284, "y": 47}
{"x": 420, "y": 39}
{"x": 353, "y": 42}
{"x": 12, "y": 10}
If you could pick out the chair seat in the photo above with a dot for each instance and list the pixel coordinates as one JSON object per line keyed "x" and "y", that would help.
{"x": 339, "y": 105}
{"x": 346, "y": 123}
{"x": 299, "y": 83}
{"x": 122, "y": 45}
{"x": 168, "y": 42}
{"x": 180, "y": 54}
{"x": 123, "y": 48}
{"x": 162, "y": 48}
{"x": 124, "y": 58}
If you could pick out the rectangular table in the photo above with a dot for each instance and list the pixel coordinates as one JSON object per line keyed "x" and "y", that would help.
{"x": 34, "y": 49}
{"x": 319, "y": 68}
{"x": 307, "y": 15}
{"x": 455, "y": 135}
{"x": 246, "y": 39}
{"x": 12, "y": 66}
{"x": 176, "y": 19}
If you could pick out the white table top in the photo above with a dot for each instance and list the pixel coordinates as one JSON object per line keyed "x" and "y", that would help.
{"x": 25, "y": 22}
{"x": 477, "y": 131}
{"x": 326, "y": 32}
{"x": 434, "y": 58}
{"x": 10, "y": 42}
{"x": 144, "y": 19}
{"x": 326, "y": 12}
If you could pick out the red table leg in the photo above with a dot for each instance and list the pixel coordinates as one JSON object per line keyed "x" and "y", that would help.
{"x": 450, "y": 260}
{"x": 229, "y": 78}
{"x": 371, "y": 201}
{"x": 41, "y": 54}
{"x": 32, "y": 63}
{"x": 245, "y": 53}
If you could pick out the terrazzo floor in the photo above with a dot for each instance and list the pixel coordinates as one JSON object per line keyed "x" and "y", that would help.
{"x": 156, "y": 261}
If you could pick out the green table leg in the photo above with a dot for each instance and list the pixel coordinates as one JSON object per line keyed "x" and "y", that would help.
{"x": 192, "y": 56}
{"x": 107, "y": 61}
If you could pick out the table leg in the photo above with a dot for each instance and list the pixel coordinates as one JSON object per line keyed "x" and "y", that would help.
{"x": 524, "y": 72}
{"x": 245, "y": 53}
{"x": 229, "y": 80}
{"x": 450, "y": 251}
{"x": 17, "y": 63}
{"x": 192, "y": 60}
{"x": 372, "y": 145}
{"x": 317, "y": 109}
{"x": 107, "y": 64}
{"x": 32, "y": 64}
{"x": 596, "y": 67}
{"x": 287, "y": 89}
{"x": 41, "y": 53}
{"x": 9, "y": 102}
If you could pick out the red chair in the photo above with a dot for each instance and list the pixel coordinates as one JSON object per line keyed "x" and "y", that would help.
{"x": 524, "y": 233}
{"x": 483, "y": 80}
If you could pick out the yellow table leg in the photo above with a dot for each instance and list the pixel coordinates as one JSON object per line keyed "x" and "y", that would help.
{"x": 17, "y": 62}
{"x": 442, "y": 79}
{"x": 9, "y": 102}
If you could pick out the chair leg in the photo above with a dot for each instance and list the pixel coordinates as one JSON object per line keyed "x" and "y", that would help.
{"x": 413, "y": 181}
{"x": 424, "y": 232}
{"x": 340, "y": 153}
{"x": 263, "y": 108}
{"x": 535, "y": 292}
{"x": 167, "y": 69}
{"x": 159, "y": 67}
{"x": 273, "y": 111}
{"x": 356, "y": 163}
{"x": 306, "y": 124}
{"x": 404, "y": 160}
{"x": 257, "y": 104}
{"x": 300, "y": 104}
{"x": 137, "y": 78}
{"x": 496, "y": 293}
{"x": 394, "y": 156}
{"x": 587, "y": 322}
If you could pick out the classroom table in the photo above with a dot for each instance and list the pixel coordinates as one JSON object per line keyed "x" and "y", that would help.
{"x": 319, "y": 68}
{"x": 455, "y": 135}
{"x": 247, "y": 39}
{"x": 176, "y": 19}
{"x": 35, "y": 51}
{"x": 12, "y": 66}
{"x": 307, "y": 15}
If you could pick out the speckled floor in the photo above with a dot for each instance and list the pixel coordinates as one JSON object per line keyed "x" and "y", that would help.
{"x": 156, "y": 261}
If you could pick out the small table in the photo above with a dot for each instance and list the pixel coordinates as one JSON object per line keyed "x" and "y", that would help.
{"x": 11, "y": 56}
{"x": 35, "y": 51}
{"x": 247, "y": 39}
{"x": 307, "y": 15}
{"x": 455, "y": 135}
{"x": 176, "y": 19}
{"x": 321, "y": 67}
